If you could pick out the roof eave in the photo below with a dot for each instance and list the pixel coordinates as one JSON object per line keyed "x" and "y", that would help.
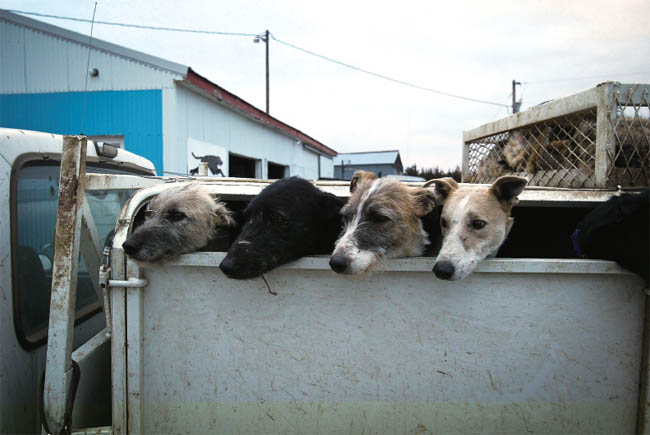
{"x": 205, "y": 87}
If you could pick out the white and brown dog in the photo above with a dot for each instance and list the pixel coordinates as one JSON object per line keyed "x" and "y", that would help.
{"x": 381, "y": 220}
{"x": 475, "y": 221}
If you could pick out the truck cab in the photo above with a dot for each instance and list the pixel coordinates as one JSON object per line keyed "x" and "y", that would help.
{"x": 29, "y": 182}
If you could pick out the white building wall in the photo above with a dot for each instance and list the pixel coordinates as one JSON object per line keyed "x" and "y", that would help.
{"x": 34, "y": 61}
{"x": 326, "y": 167}
{"x": 203, "y": 120}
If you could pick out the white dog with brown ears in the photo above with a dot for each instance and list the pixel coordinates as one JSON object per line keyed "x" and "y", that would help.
{"x": 475, "y": 221}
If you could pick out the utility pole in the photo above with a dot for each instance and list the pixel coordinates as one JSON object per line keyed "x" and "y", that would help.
{"x": 343, "y": 162}
{"x": 515, "y": 105}
{"x": 265, "y": 37}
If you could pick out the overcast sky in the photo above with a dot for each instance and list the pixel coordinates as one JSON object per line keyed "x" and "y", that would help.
{"x": 469, "y": 48}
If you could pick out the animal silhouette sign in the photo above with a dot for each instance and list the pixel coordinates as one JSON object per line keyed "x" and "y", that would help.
{"x": 215, "y": 156}
{"x": 213, "y": 164}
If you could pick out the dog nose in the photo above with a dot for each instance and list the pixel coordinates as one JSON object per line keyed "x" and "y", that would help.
{"x": 339, "y": 264}
{"x": 130, "y": 246}
{"x": 227, "y": 266}
{"x": 444, "y": 269}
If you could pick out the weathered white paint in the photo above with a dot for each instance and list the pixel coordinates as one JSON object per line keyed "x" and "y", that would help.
{"x": 519, "y": 346}
{"x": 64, "y": 281}
{"x": 21, "y": 369}
{"x": 392, "y": 353}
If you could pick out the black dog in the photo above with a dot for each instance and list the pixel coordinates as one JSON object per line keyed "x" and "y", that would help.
{"x": 617, "y": 230}
{"x": 289, "y": 219}
{"x": 213, "y": 164}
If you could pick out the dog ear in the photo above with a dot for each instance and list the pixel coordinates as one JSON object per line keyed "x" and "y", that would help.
{"x": 359, "y": 177}
{"x": 425, "y": 200}
{"x": 223, "y": 216}
{"x": 443, "y": 187}
{"x": 507, "y": 188}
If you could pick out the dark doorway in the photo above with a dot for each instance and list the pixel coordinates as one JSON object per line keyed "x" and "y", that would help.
{"x": 276, "y": 171}
{"x": 241, "y": 166}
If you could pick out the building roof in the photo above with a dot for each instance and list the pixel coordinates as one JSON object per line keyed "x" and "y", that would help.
{"x": 368, "y": 158}
{"x": 205, "y": 86}
{"x": 189, "y": 78}
{"x": 98, "y": 44}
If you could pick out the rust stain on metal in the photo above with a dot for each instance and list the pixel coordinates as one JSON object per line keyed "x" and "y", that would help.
{"x": 67, "y": 209}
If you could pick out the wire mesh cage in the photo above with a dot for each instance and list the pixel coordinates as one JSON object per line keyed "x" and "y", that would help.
{"x": 598, "y": 138}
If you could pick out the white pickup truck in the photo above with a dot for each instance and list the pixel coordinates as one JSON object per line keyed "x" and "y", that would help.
{"x": 524, "y": 345}
{"x": 29, "y": 183}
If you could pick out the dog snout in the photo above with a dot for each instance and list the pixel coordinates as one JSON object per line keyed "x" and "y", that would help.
{"x": 444, "y": 269}
{"x": 227, "y": 266}
{"x": 339, "y": 264}
{"x": 130, "y": 246}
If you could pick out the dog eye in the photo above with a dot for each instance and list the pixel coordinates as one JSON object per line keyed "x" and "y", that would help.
{"x": 377, "y": 218}
{"x": 176, "y": 216}
{"x": 443, "y": 223}
{"x": 277, "y": 218}
{"x": 478, "y": 223}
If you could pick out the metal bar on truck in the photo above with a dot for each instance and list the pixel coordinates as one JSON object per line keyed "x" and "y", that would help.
{"x": 118, "y": 343}
{"x": 91, "y": 249}
{"x": 89, "y": 347}
{"x": 604, "y": 139}
{"x": 64, "y": 281}
{"x": 643, "y": 415}
{"x": 117, "y": 182}
{"x": 134, "y": 337}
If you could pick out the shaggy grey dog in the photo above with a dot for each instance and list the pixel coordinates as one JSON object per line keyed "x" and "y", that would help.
{"x": 180, "y": 220}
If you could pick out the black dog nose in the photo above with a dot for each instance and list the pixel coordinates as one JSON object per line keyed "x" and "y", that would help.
{"x": 444, "y": 269}
{"x": 227, "y": 266}
{"x": 130, "y": 246}
{"x": 339, "y": 264}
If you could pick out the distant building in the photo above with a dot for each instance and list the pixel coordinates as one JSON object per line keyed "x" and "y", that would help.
{"x": 381, "y": 163}
{"x": 161, "y": 110}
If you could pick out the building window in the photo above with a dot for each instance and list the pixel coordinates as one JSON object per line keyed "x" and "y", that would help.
{"x": 239, "y": 166}
{"x": 277, "y": 171}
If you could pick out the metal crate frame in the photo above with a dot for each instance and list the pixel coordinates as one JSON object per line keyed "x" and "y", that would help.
{"x": 613, "y": 105}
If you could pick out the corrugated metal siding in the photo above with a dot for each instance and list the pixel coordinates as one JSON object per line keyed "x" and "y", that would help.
{"x": 137, "y": 115}
{"x": 37, "y": 62}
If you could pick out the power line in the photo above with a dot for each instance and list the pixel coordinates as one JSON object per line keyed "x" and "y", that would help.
{"x": 137, "y": 26}
{"x": 383, "y": 76}
{"x": 329, "y": 59}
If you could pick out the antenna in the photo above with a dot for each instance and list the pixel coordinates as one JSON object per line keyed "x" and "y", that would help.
{"x": 90, "y": 47}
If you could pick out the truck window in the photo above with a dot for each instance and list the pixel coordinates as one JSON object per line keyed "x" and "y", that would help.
{"x": 35, "y": 223}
